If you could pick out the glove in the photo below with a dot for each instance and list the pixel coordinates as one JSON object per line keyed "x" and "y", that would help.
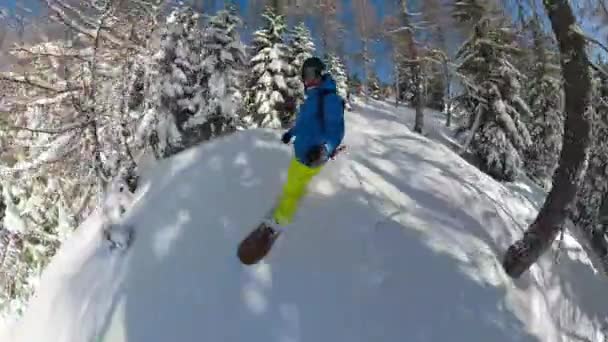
{"x": 286, "y": 138}
{"x": 317, "y": 156}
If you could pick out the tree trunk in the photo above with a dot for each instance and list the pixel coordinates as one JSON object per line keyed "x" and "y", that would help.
{"x": 397, "y": 79}
{"x": 419, "y": 95}
{"x": 474, "y": 127}
{"x": 447, "y": 97}
{"x": 577, "y": 131}
{"x": 417, "y": 72}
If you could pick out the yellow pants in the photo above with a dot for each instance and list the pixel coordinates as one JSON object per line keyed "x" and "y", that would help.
{"x": 298, "y": 178}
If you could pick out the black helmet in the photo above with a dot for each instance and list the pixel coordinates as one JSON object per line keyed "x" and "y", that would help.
{"x": 313, "y": 66}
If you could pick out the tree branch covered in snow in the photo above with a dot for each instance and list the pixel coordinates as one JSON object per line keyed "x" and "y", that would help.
{"x": 544, "y": 93}
{"x": 35, "y": 82}
{"x": 64, "y": 129}
{"x": 69, "y": 126}
{"x": 589, "y": 216}
{"x": 79, "y": 22}
{"x": 494, "y": 108}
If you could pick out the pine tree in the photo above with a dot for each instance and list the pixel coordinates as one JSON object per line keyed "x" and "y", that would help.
{"x": 545, "y": 96}
{"x": 336, "y": 69}
{"x": 270, "y": 71}
{"x": 301, "y": 47}
{"x": 590, "y": 214}
{"x": 176, "y": 89}
{"x": 546, "y": 131}
{"x": 354, "y": 84}
{"x": 30, "y": 226}
{"x": 375, "y": 89}
{"x": 223, "y": 65}
{"x": 435, "y": 87}
{"x": 498, "y": 136}
{"x": 12, "y": 275}
{"x": 405, "y": 84}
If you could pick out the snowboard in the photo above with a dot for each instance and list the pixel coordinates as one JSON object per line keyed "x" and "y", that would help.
{"x": 257, "y": 244}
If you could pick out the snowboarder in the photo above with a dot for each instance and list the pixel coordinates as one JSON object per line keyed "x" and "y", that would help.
{"x": 318, "y": 132}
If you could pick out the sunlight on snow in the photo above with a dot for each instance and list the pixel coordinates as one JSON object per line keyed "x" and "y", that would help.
{"x": 291, "y": 328}
{"x": 248, "y": 177}
{"x": 324, "y": 187}
{"x": 405, "y": 241}
{"x": 182, "y": 161}
{"x": 259, "y": 280}
{"x": 241, "y": 159}
{"x": 119, "y": 322}
{"x": 166, "y": 237}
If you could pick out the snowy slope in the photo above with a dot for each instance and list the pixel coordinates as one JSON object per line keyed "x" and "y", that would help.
{"x": 399, "y": 240}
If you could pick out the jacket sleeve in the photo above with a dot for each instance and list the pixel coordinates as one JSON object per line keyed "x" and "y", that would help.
{"x": 334, "y": 122}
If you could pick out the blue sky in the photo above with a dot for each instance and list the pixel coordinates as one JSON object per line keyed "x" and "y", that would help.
{"x": 382, "y": 65}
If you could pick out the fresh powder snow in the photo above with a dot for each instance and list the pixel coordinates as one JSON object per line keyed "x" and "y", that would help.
{"x": 399, "y": 239}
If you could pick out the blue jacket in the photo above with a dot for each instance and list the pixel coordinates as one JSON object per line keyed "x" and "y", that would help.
{"x": 308, "y": 130}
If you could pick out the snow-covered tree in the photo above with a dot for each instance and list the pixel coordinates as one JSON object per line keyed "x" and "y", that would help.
{"x": 33, "y": 227}
{"x": 223, "y": 66}
{"x": 498, "y": 136}
{"x": 65, "y": 112}
{"x": 355, "y": 85}
{"x": 375, "y": 89}
{"x": 336, "y": 68}
{"x": 545, "y": 96}
{"x": 175, "y": 84}
{"x": 301, "y": 47}
{"x": 270, "y": 70}
{"x": 546, "y": 131}
{"x": 405, "y": 80}
{"x": 590, "y": 214}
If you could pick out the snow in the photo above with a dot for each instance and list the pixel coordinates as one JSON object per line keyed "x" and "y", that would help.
{"x": 399, "y": 238}
{"x": 279, "y": 80}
